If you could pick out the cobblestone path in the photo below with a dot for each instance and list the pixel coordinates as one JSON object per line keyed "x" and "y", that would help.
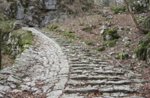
{"x": 82, "y": 74}
{"x": 41, "y": 69}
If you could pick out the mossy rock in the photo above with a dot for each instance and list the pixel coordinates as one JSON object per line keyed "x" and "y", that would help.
{"x": 6, "y": 26}
{"x": 24, "y": 37}
{"x": 112, "y": 33}
{"x": 19, "y": 40}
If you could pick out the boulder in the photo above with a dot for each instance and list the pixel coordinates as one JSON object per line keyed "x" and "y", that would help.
{"x": 20, "y": 11}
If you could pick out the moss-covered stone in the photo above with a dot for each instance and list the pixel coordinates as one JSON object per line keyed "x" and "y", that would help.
{"x": 6, "y": 26}
{"x": 24, "y": 37}
{"x": 110, "y": 34}
{"x": 110, "y": 37}
{"x": 16, "y": 42}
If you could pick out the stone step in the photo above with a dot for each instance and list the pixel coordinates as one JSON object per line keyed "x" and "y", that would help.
{"x": 89, "y": 65}
{"x": 96, "y": 72}
{"x": 72, "y": 96}
{"x": 81, "y": 62}
{"x": 114, "y": 89}
{"x": 98, "y": 82}
{"x": 109, "y": 72}
{"x": 81, "y": 90}
{"x": 99, "y": 77}
{"x": 118, "y": 89}
{"x": 82, "y": 68}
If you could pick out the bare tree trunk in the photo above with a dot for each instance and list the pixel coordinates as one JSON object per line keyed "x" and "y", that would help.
{"x": 141, "y": 29}
{"x": 132, "y": 15}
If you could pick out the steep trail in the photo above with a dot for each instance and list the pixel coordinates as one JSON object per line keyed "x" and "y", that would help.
{"x": 70, "y": 70}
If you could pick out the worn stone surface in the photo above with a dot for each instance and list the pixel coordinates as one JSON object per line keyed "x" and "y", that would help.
{"x": 42, "y": 68}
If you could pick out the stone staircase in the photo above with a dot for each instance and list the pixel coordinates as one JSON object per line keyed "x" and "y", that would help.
{"x": 91, "y": 77}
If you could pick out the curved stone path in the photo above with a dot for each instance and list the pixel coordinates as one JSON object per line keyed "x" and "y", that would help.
{"x": 44, "y": 69}
{"x": 41, "y": 69}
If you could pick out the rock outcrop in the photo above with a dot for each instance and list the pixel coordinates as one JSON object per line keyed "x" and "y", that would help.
{"x": 32, "y": 12}
{"x": 41, "y": 12}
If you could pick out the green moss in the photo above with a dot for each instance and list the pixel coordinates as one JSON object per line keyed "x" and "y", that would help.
{"x": 112, "y": 33}
{"x": 24, "y": 37}
{"x": 117, "y": 9}
{"x": 69, "y": 34}
{"x": 2, "y": 17}
{"x": 20, "y": 40}
{"x": 110, "y": 37}
{"x": 6, "y": 26}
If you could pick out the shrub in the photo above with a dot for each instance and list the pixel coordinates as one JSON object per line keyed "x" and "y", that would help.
{"x": 146, "y": 23}
{"x": 139, "y": 5}
{"x": 143, "y": 49}
{"x": 112, "y": 33}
